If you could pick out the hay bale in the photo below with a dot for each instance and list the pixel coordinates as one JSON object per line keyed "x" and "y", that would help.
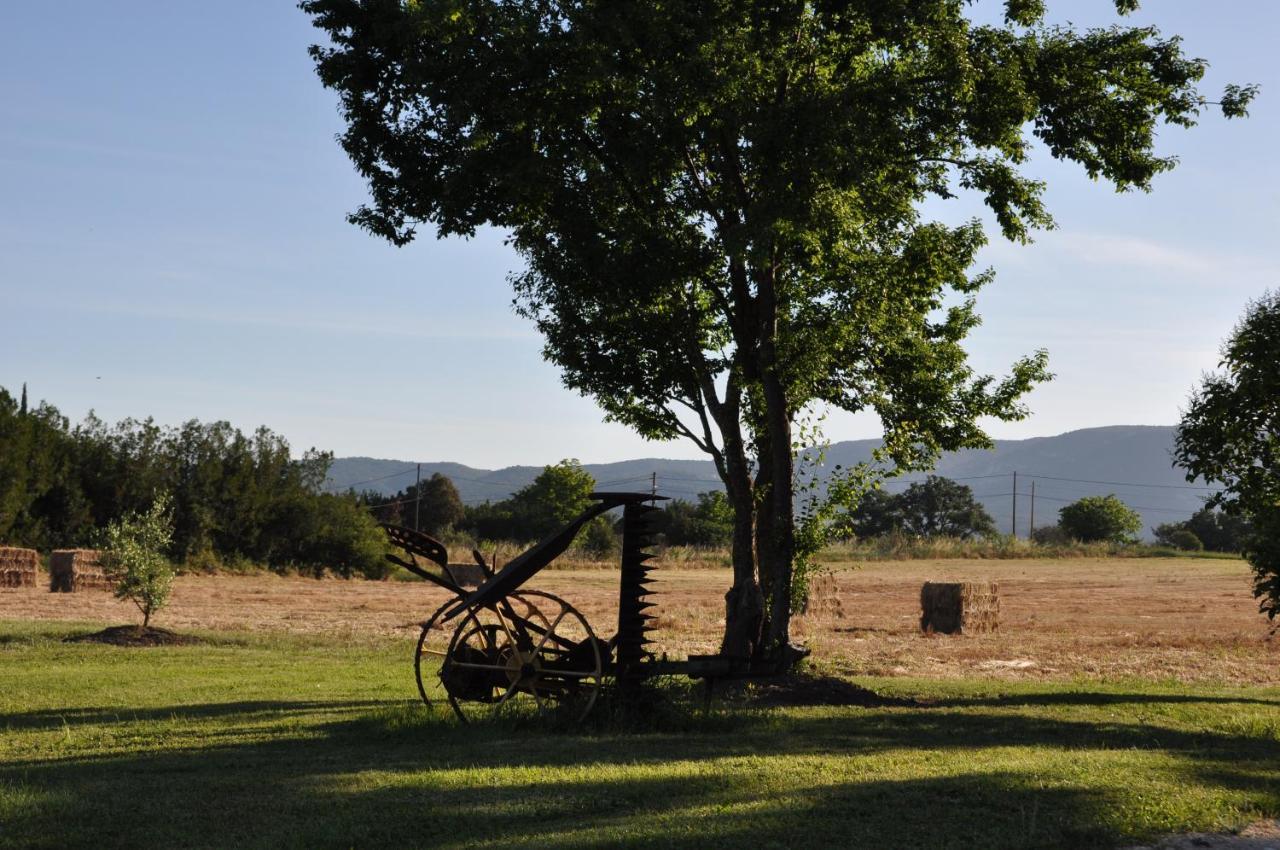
{"x": 969, "y": 607}
{"x": 467, "y": 575}
{"x": 76, "y": 569}
{"x": 18, "y": 567}
{"x": 824, "y": 598}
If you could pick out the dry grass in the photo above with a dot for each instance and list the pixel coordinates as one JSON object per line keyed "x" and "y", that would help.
{"x": 1176, "y": 619}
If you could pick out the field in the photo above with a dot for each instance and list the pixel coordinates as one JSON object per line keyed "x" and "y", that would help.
{"x": 1121, "y": 700}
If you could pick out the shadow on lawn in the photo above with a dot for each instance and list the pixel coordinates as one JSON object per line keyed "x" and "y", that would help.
{"x": 57, "y": 718}
{"x": 394, "y": 776}
{"x": 1098, "y": 698}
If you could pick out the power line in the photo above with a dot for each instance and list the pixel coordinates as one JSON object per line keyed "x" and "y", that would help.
{"x": 355, "y": 484}
{"x": 1123, "y": 483}
{"x": 1135, "y": 507}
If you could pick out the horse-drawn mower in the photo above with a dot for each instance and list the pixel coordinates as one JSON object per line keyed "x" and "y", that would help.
{"x": 501, "y": 646}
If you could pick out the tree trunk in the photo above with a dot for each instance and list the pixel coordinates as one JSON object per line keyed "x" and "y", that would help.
{"x": 775, "y": 539}
{"x": 744, "y": 603}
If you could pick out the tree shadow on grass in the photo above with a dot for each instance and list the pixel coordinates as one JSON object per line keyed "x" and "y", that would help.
{"x": 57, "y": 718}
{"x": 393, "y": 775}
{"x": 1100, "y": 698}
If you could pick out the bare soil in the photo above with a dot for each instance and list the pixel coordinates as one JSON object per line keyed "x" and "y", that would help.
{"x": 134, "y": 636}
{"x": 1264, "y": 835}
{"x": 1183, "y": 620}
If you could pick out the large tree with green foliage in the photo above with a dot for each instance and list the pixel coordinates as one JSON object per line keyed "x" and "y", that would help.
{"x": 935, "y": 507}
{"x": 1230, "y": 435}
{"x": 1096, "y": 518}
{"x": 719, "y": 204}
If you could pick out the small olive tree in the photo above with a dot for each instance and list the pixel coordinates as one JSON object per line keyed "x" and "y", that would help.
{"x": 134, "y": 557}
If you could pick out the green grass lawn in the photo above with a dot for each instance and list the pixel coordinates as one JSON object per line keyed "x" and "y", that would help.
{"x": 279, "y": 742}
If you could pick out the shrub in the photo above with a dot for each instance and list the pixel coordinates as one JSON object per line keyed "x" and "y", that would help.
{"x": 134, "y": 557}
{"x": 599, "y": 540}
{"x": 1050, "y": 535}
{"x": 1186, "y": 541}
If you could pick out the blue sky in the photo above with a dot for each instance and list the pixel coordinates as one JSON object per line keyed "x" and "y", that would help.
{"x": 173, "y": 243}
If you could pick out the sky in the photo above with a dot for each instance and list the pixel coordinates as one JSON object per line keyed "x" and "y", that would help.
{"x": 173, "y": 244}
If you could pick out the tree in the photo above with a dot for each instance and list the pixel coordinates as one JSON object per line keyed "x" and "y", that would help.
{"x": 935, "y": 507}
{"x": 1230, "y": 435}
{"x": 441, "y": 506}
{"x": 135, "y": 559}
{"x": 559, "y": 494}
{"x": 720, "y": 205}
{"x": 1100, "y": 518}
{"x": 1218, "y": 530}
{"x": 707, "y": 523}
{"x": 875, "y": 515}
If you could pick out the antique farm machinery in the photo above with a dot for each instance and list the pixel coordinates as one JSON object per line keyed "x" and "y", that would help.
{"x": 501, "y": 646}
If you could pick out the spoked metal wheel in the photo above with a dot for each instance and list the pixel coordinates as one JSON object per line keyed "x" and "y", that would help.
{"x": 433, "y": 644}
{"x": 531, "y": 652}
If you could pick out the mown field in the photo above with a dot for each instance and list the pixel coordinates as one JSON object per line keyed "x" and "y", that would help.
{"x": 1120, "y": 701}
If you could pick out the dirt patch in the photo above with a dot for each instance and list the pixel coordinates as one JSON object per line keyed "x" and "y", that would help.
{"x": 135, "y": 636}
{"x": 800, "y": 690}
{"x": 1264, "y": 835}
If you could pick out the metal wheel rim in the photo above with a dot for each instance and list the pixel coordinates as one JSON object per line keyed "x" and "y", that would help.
{"x": 590, "y": 681}
{"x": 427, "y": 626}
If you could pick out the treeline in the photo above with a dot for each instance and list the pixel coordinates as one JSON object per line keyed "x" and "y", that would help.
{"x": 559, "y": 493}
{"x": 939, "y": 508}
{"x": 236, "y": 497}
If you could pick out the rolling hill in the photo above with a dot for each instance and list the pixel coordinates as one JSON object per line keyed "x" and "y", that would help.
{"x": 1132, "y": 461}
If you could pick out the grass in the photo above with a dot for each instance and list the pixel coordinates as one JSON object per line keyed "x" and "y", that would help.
{"x": 295, "y": 741}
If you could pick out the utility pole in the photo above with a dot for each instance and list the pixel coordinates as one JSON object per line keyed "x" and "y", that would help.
{"x": 1031, "y": 529}
{"x": 1013, "y": 527}
{"x": 417, "y": 497}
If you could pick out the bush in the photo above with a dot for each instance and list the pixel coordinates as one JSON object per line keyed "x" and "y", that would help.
{"x": 134, "y": 557}
{"x": 1100, "y": 518}
{"x": 1186, "y": 541}
{"x": 599, "y": 540}
{"x": 1050, "y": 535}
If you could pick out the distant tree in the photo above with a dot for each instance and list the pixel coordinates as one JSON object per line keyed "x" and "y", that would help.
{"x": 556, "y": 496}
{"x": 599, "y": 539}
{"x": 1219, "y": 530}
{"x": 875, "y": 515}
{"x": 709, "y": 522}
{"x": 1096, "y": 518}
{"x": 940, "y": 507}
{"x": 22, "y": 410}
{"x": 1230, "y": 435}
{"x": 134, "y": 557}
{"x": 935, "y": 507}
{"x": 441, "y": 507}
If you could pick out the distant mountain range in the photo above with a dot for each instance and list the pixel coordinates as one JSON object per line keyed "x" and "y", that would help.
{"x": 1132, "y": 461}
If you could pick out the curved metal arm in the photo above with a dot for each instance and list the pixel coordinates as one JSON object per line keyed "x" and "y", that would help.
{"x": 527, "y": 564}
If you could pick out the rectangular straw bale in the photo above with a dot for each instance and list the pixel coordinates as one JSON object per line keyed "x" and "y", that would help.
{"x": 467, "y": 575}
{"x": 824, "y": 598}
{"x": 18, "y": 567}
{"x": 960, "y": 607}
{"x": 76, "y": 569}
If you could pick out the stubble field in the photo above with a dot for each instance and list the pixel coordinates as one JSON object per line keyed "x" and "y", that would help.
{"x": 1170, "y": 619}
